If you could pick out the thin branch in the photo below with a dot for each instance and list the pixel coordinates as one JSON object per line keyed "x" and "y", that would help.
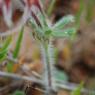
{"x": 71, "y": 87}
{"x": 19, "y": 77}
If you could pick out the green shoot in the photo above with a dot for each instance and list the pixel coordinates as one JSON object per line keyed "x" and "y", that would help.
{"x": 10, "y": 65}
{"x": 4, "y": 49}
{"x": 77, "y": 91}
{"x": 18, "y": 44}
{"x": 63, "y": 22}
{"x": 19, "y": 93}
{"x": 90, "y": 9}
{"x": 79, "y": 13}
{"x": 51, "y": 6}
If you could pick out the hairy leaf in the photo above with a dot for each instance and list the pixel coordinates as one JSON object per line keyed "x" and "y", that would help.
{"x": 60, "y": 76}
{"x": 65, "y": 33}
{"x": 64, "y": 21}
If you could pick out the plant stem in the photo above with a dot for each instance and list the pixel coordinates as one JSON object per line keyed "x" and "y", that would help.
{"x": 20, "y": 77}
{"x": 46, "y": 74}
{"x": 48, "y": 61}
{"x": 51, "y": 61}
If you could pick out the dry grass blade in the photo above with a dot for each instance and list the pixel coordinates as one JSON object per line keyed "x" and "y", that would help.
{"x": 19, "y": 77}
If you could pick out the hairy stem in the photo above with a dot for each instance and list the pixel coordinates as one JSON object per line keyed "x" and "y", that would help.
{"x": 48, "y": 61}
{"x": 46, "y": 74}
{"x": 51, "y": 61}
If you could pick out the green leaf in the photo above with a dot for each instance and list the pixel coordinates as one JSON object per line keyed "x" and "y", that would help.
{"x": 33, "y": 23}
{"x": 16, "y": 51}
{"x": 65, "y": 33}
{"x": 51, "y": 7}
{"x": 56, "y": 54}
{"x": 6, "y": 43}
{"x": 48, "y": 31}
{"x": 64, "y": 21}
{"x": 3, "y": 57}
{"x": 4, "y": 49}
{"x": 90, "y": 10}
{"x": 18, "y": 43}
{"x": 77, "y": 91}
{"x": 10, "y": 67}
{"x": 19, "y": 93}
{"x": 42, "y": 19}
{"x": 60, "y": 76}
{"x": 35, "y": 27}
{"x": 79, "y": 13}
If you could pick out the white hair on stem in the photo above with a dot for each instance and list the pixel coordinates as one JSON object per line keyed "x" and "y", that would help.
{"x": 51, "y": 62}
{"x": 45, "y": 62}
